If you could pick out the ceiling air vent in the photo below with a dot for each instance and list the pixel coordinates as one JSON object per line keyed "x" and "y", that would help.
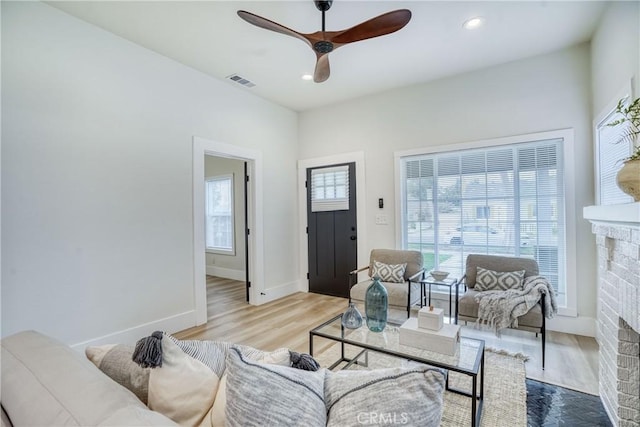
{"x": 241, "y": 80}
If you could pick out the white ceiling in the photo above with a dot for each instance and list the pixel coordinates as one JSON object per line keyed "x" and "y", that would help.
{"x": 210, "y": 37}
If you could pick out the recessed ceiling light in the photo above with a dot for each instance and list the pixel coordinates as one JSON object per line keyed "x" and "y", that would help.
{"x": 307, "y": 77}
{"x": 473, "y": 23}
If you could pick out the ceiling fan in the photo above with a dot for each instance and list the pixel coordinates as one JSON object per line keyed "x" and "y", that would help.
{"x": 322, "y": 42}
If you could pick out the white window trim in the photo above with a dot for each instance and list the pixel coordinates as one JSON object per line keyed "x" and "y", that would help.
{"x": 567, "y": 135}
{"x": 223, "y": 251}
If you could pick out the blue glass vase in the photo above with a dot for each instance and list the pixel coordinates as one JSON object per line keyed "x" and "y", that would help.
{"x": 376, "y": 303}
{"x": 352, "y": 319}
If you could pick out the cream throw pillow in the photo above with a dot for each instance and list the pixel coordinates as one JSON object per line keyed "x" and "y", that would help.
{"x": 184, "y": 388}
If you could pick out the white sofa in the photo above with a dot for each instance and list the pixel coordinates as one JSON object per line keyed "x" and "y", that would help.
{"x": 46, "y": 383}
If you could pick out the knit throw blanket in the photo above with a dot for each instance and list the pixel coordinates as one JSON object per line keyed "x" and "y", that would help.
{"x": 501, "y": 309}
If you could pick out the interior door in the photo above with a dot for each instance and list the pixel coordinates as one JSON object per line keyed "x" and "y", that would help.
{"x": 332, "y": 228}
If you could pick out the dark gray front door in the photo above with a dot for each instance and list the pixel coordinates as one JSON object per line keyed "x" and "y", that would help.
{"x": 332, "y": 235}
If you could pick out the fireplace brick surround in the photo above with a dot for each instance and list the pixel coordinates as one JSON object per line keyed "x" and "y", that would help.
{"x": 617, "y": 230}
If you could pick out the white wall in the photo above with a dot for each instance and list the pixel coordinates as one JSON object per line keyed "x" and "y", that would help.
{"x": 539, "y": 94}
{"x": 227, "y": 265}
{"x": 97, "y": 178}
{"x": 615, "y": 53}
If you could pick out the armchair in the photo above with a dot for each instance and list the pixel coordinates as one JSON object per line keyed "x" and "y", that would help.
{"x": 532, "y": 321}
{"x": 401, "y": 295}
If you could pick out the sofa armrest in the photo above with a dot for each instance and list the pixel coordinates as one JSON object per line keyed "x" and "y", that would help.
{"x": 359, "y": 270}
{"x": 419, "y": 274}
{"x": 45, "y": 382}
{"x": 462, "y": 281}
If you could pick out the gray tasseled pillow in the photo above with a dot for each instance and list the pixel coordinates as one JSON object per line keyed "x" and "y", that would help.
{"x": 272, "y": 395}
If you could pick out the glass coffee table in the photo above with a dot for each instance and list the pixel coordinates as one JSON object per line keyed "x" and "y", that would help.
{"x": 469, "y": 359}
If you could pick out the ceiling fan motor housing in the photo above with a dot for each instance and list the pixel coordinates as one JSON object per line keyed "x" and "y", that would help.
{"x": 323, "y": 46}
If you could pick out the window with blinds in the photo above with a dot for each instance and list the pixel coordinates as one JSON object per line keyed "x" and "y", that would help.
{"x": 505, "y": 200}
{"x": 219, "y": 214}
{"x": 330, "y": 189}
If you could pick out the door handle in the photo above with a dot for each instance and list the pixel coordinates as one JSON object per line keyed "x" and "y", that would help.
{"x": 353, "y": 237}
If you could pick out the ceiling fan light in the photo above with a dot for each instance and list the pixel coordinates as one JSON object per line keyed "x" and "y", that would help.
{"x": 473, "y": 23}
{"x": 307, "y": 77}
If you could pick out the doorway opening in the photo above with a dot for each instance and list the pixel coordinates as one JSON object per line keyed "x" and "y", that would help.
{"x": 218, "y": 170}
{"x": 226, "y": 237}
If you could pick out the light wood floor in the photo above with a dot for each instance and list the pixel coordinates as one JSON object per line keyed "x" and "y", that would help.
{"x": 571, "y": 360}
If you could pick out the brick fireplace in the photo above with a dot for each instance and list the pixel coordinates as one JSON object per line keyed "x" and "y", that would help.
{"x": 617, "y": 230}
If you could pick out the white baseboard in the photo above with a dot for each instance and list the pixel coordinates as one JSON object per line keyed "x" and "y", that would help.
{"x": 276, "y": 292}
{"x": 226, "y": 273}
{"x": 585, "y": 326}
{"x": 129, "y": 336}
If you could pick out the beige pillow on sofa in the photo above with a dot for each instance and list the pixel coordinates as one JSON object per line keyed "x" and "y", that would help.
{"x": 115, "y": 361}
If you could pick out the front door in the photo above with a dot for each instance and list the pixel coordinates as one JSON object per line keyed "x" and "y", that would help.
{"x": 332, "y": 228}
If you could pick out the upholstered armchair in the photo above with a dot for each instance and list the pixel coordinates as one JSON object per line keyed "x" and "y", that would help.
{"x": 532, "y": 321}
{"x": 402, "y": 295}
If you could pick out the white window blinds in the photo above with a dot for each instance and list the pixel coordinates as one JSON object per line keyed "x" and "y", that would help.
{"x": 504, "y": 200}
{"x": 330, "y": 189}
{"x": 609, "y": 155}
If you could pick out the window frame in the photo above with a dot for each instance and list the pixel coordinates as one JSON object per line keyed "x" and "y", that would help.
{"x": 568, "y": 216}
{"x": 215, "y": 249}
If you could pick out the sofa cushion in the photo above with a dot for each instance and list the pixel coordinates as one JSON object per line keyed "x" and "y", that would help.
{"x": 393, "y": 273}
{"x": 397, "y": 293}
{"x": 407, "y": 396}
{"x": 261, "y": 394}
{"x": 489, "y": 280}
{"x": 45, "y": 382}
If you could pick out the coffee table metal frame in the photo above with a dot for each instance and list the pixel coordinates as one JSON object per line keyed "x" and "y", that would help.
{"x": 477, "y": 390}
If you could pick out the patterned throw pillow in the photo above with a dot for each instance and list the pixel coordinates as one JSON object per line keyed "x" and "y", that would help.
{"x": 272, "y": 395}
{"x": 393, "y": 273}
{"x": 489, "y": 280}
{"x": 411, "y": 396}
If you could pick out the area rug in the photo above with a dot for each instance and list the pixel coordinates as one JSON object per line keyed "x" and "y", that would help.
{"x": 505, "y": 400}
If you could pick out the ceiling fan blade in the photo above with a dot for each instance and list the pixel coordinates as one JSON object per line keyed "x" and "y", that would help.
{"x": 381, "y": 25}
{"x": 322, "y": 69}
{"x": 261, "y": 22}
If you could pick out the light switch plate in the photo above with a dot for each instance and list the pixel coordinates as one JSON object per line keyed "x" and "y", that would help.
{"x": 382, "y": 219}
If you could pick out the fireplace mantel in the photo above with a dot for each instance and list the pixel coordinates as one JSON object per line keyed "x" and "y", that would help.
{"x": 627, "y": 214}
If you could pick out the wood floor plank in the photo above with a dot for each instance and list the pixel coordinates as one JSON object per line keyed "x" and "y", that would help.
{"x": 571, "y": 360}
